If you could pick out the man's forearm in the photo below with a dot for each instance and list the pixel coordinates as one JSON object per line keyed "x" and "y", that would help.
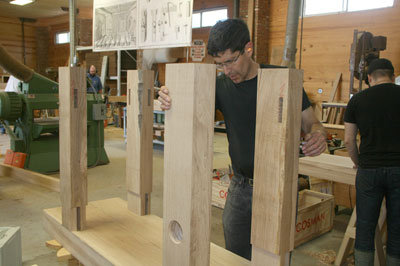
{"x": 318, "y": 127}
{"x": 352, "y": 149}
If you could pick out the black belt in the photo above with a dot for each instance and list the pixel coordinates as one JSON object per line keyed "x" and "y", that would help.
{"x": 243, "y": 179}
{"x": 249, "y": 181}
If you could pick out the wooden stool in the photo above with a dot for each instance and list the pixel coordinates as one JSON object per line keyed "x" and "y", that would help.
{"x": 350, "y": 235}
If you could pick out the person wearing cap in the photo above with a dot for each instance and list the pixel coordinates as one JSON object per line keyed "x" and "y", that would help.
{"x": 375, "y": 114}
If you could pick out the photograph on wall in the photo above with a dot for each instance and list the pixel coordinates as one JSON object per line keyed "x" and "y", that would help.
{"x": 115, "y": 25}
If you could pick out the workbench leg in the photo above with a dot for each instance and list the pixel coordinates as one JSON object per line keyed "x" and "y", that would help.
{"x": 348, "y": 240}
{"x": 139, "y": 146}
{"x": 188, "y": 159}
{"x": 350, "y": 235}
{"x": 276, "y": 165}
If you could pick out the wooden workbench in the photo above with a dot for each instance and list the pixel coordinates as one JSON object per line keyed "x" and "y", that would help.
{"x": 116, "y": 236}
{"x": 330, "y": 167}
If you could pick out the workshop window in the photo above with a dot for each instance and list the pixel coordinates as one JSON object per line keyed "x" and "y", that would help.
{"x": 356, "y": 5}
{"x": 208, "y": 18}
{"x": 196, "y": 20}
{"x": 318, "y": 7}
{"x": 62, "y": 37}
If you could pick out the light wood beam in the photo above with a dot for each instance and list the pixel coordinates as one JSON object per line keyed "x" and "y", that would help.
{"x": 188, "y": 164}
{"x": 31, "y": 177}
{"x": 139, "y": 149}
{"x": 278, "y": 128}
{"x": 73, "y": 147}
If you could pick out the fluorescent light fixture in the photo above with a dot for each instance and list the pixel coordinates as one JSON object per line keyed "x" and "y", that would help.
{"x": 21, "y": 2}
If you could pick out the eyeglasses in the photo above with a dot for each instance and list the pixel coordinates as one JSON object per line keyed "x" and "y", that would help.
{"x": 229, "y": 63}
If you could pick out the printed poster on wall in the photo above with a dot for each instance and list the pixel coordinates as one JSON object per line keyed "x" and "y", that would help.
{"x": 141, "y": 24}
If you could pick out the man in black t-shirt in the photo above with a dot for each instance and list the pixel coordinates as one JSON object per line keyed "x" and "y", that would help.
{"x": 236, "y": 97}
{"x": 375, "y": 113}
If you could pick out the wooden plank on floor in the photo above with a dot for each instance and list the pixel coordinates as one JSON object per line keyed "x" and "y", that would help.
{"x": 116, "y": 236}
{"x": 31, "y": 177}
{"x": 278, "y": 127}
{"x": 330, "y": 167}
{"x": 73, "y": 146}
{"x": 188, "y": 159}
{"x": 139, "y": 149}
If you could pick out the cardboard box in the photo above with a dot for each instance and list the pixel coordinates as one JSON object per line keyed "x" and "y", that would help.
{"x": 315, "y": 215}
{"x": 219, "y": 192}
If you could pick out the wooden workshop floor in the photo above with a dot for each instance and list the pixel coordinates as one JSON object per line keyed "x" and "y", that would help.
{"x": 21, "y": 204}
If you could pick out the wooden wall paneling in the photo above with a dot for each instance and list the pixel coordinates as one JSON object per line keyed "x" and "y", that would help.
{"x": 58, "y": 53}
{"x": 276, "y": 165}
{"x": 188, "y": 164}
{"x": 11, "y": 39}
{"x": 139, "y": 166}
{"x": 327, "y": 40}
{"x": 73, "y": 144}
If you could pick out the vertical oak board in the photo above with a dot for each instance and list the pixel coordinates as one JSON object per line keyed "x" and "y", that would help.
{"x": 188, "y": 164}
{"x": 73, "y": 146}
{"x": 139, "y": 161}
{"x": 278, "y": 127}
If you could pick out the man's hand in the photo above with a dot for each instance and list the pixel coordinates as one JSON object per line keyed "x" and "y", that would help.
{"x": 315, "y": 143}
{"x": 164, "y": 98}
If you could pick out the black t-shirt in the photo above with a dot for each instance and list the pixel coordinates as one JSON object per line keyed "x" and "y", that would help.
{"x": 376, "y": 112}
{"x": 237, "y": 102}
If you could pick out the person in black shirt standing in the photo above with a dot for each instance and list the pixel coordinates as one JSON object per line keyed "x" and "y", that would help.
{"x": 236, "y": 97}
{"x": 375, "y": 113}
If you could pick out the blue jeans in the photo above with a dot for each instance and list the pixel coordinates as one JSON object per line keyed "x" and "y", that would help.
{"x": 371, "y": 186}
{"x": 236, "y": 218}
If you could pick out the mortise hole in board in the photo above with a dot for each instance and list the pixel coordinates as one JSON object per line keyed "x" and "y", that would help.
{"x": 175, "y": 232}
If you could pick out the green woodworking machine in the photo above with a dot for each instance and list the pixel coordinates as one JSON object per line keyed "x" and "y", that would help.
{"x": 38, "y": 137}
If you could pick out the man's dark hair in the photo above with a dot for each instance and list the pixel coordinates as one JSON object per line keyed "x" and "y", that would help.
{"x": 230, "y": 34}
